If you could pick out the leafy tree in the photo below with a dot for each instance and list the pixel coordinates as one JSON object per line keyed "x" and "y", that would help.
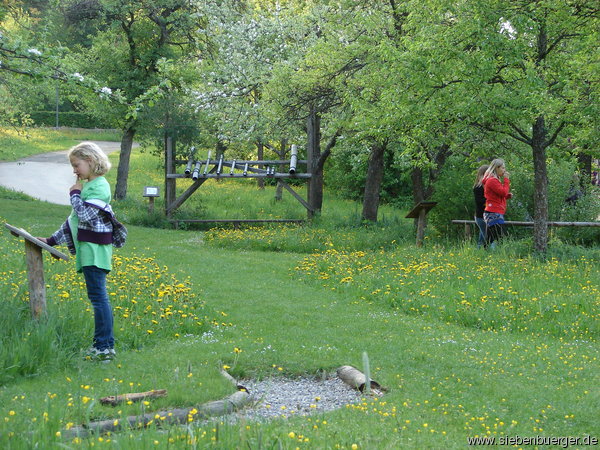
{"x": 512, "y": 69}
{"x": 304, "y": 92}
{"x": 132, "y": 40}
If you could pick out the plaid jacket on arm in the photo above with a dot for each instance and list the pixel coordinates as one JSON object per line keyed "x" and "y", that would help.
{"x": 63, "y": 236}
{"x": 94, "y": 225}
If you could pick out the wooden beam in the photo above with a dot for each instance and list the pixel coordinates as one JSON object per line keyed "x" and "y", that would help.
{"x": 252, "y": 173}
{"x": 270, "y": 162}
{"x": 169, "y": 417}
{"x": 296, "y": 195}
{"x": 183, "y": 197}
{"x": 530, "y": 224}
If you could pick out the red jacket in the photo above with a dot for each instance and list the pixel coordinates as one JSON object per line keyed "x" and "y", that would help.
{"x": 495, "y": 194}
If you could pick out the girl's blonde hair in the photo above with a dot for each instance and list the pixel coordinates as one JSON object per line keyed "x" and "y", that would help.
{"x": 491, "y": 171}
{"x": 90, "y": 152}
{"x": 480, "y": 174}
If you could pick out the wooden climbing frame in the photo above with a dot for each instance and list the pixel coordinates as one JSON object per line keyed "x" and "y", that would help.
{"x": 201, "y": 170}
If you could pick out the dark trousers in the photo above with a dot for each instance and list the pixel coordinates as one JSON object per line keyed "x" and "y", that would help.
{"x": 482, "y": 231}
{"x": 494, "y": 234}
{"x": 95, "y": 281}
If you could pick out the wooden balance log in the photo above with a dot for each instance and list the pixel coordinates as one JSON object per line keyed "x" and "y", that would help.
{"x": 35, "y": 269}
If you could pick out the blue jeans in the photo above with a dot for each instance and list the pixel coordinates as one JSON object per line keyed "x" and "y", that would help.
{"x": 95, "y": 281}
{"x": 482, "y": 231}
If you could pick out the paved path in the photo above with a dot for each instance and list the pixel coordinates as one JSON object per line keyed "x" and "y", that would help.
{"x": 47, "y": 176}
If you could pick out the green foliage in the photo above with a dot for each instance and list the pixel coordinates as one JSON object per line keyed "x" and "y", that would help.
{"x": 346, "y": 171}
{"x": 454, "y": 194}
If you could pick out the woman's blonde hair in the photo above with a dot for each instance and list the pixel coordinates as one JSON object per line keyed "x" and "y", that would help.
{"x": 480, "y": 174}
{"x": 90, "y": 152}
{"x": 494, "y": 165}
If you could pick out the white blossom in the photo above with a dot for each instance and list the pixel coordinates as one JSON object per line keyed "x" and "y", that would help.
{"x": 106, "y": 90}
{"x": 78, "y": 76}
{"x": 507, "y": 29}
{"x": 35, "y": 51}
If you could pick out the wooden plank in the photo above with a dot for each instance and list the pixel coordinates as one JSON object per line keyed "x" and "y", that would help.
{"x": 414, "y": 213}
{"x": 530, "y": 224}
{"x": 28, "y": 237}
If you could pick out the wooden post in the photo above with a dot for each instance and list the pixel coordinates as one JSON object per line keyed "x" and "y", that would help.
{"x": 150, "y": 205}
{"x": 35, "y": 269}
{"x": 313, "y": 152}
{"x": 35, "y": 276}
{"x": 169, "y": 169}
{"x": 419, "y": 212}
{"x": 421, "y": 223}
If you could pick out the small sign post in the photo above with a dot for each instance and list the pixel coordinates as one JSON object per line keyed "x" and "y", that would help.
{"x": 419, "y": 212}
{"x": 35, "y": 269}
{"x": 151, "y": 192}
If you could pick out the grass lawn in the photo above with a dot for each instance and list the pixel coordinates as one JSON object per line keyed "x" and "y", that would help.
{"x": 467, "y": 343}
{"x": 20, "y": 143}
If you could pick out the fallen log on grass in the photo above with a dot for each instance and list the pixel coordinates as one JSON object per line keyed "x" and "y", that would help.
{"x": 239, "y": 387}
{"x": 160, "y": 418}
{"x": 355, "y": 378}
{"x": 114, "y": 400}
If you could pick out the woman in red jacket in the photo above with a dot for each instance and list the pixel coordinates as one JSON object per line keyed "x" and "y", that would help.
{"x": 496, "y": 190}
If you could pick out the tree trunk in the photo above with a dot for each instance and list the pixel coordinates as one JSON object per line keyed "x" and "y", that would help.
{"x": 373, "y": 182}
{"x": 419, "y": 195}
{"x": 260, "y": 150}
{"x": 313, "y": 150}
{"x": 418, "y": 185}
{"x": 585, "y": 167}
{"x": 540, "y": 193}
{"x": 220, "y": 148}
{"x": 279, "y": 191}
{"x": 281, "y": 153}
{"x": 123, "y": 169}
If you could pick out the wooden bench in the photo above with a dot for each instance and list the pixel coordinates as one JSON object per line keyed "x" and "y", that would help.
{"x": 236, "y": 222}
{"x": 468, "y": 223}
